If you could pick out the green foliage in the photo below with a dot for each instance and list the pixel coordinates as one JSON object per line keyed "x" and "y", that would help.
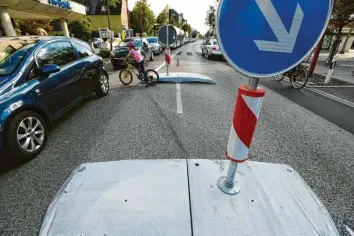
{"x": 95, "y": 34}
{"x": 194, "y": 33}
{"x": 162, "y": 18}
{"x": 187, "y": 28}
{"x": 104, "y": 52}
{"x": 31, "y": 26}
{"x": 113, "y": 2}
{"x": 210, "y": 19}
{"x": 173, "y": 21}
{"x": 81, "y": 29}
{"x": 200, "y": 36}
{"x": 142, "y": 18}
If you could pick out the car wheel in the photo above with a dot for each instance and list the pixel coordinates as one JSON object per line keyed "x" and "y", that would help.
{"x": 102, "y": 85}
{"x": 26, "y": 136}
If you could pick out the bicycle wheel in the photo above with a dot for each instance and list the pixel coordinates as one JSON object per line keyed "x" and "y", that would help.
{"x": 279, "y": 77}
{"x": 299, "y": 78}
{"x": 126, "y": 77}
{"x": 155, "y": 78}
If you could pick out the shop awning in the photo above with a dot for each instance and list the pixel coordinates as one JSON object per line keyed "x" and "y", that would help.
{"x": 43, "y": 9}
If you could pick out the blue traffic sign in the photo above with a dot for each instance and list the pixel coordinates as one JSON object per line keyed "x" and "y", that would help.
{"x": 268, "y": 37}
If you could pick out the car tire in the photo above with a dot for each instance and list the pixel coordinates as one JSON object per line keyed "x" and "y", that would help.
{"x": 102, "y": 85}
{"x": 25, "y": 136}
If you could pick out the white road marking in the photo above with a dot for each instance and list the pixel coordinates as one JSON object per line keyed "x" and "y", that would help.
{"x": 179, "y": 99}
{"x": 350, "y": 231}
{"x": 331, "y": 96}
{"x": 327, "y": 95}
{"x": 164, "y": 63}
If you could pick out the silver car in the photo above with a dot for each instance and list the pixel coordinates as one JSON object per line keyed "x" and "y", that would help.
{"x": 154, "y": 43}
{"x": 210, "y": 48}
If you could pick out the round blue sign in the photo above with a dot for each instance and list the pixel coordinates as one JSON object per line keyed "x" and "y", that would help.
{"x": 264, "y": 38}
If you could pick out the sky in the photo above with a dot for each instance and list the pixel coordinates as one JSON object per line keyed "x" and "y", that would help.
{"x": 194, "y": 11}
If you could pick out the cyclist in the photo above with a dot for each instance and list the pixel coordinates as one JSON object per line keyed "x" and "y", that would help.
{"x": 139, "y": 59}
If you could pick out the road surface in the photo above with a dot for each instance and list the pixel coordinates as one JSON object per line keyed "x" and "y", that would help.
{"x": 145, "y": 123}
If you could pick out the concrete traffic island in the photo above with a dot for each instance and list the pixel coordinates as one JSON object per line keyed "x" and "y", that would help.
{"x": 181, "y": 197}
{"x": 183, "y": 77}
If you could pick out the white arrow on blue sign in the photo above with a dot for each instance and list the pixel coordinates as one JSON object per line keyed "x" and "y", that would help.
{"x": 263, "y": 38}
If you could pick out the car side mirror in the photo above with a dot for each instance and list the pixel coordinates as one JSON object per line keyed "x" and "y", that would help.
{"x": 48, "y": 69}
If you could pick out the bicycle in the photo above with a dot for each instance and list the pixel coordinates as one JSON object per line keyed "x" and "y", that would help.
{"x": 298, "y": 76}
{"x": 126, "y": 75}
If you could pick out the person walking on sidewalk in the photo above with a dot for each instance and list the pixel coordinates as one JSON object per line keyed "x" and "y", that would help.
{"x": 139, "y": 59}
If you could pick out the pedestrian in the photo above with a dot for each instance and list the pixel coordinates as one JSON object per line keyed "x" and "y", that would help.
{"x": 41, "y": 32}
{"x": 139, "y": 59}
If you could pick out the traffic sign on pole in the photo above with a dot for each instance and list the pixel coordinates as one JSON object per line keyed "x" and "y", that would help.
{"x": 264, "y": 38}
{"x": 167, "y": 35}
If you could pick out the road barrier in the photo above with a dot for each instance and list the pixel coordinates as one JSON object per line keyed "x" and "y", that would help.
{"x": 248, "y": 106}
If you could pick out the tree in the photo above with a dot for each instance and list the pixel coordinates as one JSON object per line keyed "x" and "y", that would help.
{"x": 210, "y": 19}
{"x": 162, "y": 18}
{"x": 342, "y": 15}
{"x": 142, "y": 17}
{"x": 187, "y": 28}
{"x": 173, "y": 21}
{"x": 31, "y": 26}
{"x": 81, "y": 29}
{"x": 194, "y": 33}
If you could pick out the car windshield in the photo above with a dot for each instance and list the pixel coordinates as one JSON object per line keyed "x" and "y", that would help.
{"x": 137, "y": 42}
{"x": 11, "y": 56}
{"x": 152, "y": 40}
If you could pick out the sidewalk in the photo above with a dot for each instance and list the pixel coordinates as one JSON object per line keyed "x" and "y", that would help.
{"x": 338, "y": 73}
{"x": 346, "y": 57}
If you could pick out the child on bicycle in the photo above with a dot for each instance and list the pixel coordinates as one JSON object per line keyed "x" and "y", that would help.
{"x": 139, "y": 59}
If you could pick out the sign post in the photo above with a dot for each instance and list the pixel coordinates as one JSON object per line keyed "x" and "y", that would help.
{"x": 268, "y": 37}
{"x": 167, "y": 35}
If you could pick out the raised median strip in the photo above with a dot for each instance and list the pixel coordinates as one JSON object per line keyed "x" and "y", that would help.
{"x": 183, "y": 77}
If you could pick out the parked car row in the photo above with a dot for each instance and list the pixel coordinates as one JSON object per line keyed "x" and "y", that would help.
{"x": 190, "y": 40}
{"x": 40, "y": 79}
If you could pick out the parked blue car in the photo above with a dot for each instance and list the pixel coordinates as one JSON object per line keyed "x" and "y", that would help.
{"x": 40, "y": 79}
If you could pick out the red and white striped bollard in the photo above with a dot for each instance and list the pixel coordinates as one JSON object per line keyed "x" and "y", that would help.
{"x": 248, "y": 106}
{"x": 168, "y": 57}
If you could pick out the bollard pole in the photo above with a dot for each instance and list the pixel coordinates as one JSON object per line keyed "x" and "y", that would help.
{"x": 238, "y": 147}
{"x": 168, "y": 49}
{"x": 331, "y": 68}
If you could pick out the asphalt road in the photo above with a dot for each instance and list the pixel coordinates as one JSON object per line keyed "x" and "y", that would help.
{"x": 142, "y": 123}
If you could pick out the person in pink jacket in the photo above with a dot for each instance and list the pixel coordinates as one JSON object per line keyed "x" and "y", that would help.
{"x": 139, "y": 59}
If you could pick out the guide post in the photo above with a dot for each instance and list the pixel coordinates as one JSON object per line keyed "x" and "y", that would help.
{"x": 297, "y": 31}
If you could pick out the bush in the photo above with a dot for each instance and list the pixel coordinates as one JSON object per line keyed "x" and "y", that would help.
{"x": 104, "y": 52}
{"x": 81, "y": 29}
{"x": 95, "y": 34}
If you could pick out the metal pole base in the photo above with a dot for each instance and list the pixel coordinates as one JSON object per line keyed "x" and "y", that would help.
{"x": 232, "y": 190}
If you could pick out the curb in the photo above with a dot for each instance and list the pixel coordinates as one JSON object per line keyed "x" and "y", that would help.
{"x": 331, "y": 96}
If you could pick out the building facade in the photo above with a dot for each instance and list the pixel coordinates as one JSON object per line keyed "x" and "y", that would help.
{"x": 38, "y": 10}
{"x": 96, "y": 13}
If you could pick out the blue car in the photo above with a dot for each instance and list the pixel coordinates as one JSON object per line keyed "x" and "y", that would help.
{"x": 40, "y": 79}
